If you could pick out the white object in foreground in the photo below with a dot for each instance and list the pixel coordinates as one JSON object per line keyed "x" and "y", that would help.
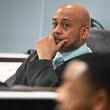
{"x": 27, "y": 95}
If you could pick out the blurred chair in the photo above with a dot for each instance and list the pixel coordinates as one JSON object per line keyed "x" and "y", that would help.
{"x": 96, "y": 24}
{"x": 30, "y": 51}
{"x": 99, "y": 40}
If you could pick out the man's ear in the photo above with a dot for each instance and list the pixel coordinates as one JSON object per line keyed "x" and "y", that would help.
{"x": 100, "y": 100}
{"x": 84, "y": 32}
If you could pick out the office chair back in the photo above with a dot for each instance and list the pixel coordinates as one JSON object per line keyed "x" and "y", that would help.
{"x": 99, "y": 40}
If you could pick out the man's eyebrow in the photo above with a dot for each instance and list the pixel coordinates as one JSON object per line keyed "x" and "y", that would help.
{"x": 54, "y": 19}
{"x": 64, "y": 19}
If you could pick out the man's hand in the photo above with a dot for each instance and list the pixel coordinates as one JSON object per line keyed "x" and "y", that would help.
{"x": 47, "y": 48}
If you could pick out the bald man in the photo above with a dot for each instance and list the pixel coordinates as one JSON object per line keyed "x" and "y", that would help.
{"x": 71, "y": 26}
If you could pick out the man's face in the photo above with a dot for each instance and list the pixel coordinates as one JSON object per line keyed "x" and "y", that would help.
{"x": 74, "y": 94}
{"x": 66, "y": 26}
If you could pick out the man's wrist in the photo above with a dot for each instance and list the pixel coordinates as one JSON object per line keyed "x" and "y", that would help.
{"x": 45, "y": 58}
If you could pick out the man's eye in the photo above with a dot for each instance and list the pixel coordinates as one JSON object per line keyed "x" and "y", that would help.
{"x": 54, "y": 24}
{"x": 65, "y": 26}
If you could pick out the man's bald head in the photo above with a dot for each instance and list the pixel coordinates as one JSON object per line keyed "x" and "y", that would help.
{"x": 77, "y": 10}
{"x": 71, "y": 22}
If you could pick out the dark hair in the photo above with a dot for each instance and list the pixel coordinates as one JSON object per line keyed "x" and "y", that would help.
{"x": 99, "y": 70}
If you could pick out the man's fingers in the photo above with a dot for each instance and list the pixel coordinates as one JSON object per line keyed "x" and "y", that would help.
{"x": 61, "y": 44}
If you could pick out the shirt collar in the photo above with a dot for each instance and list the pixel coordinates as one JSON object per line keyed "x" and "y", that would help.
{"x": 68, "y": 55}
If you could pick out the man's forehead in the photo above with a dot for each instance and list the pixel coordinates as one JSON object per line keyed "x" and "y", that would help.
{"x": 65, "y": 8}
{"x": 65, "y": 16}
{"x": 65, "y": 11}
{"x": 75, "y": 69}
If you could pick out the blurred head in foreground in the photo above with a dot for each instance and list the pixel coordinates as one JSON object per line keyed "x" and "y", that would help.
{"x": 86, "y": 83}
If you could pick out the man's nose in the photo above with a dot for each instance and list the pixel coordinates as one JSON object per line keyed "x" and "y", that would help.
{"x": 57, "y": 30}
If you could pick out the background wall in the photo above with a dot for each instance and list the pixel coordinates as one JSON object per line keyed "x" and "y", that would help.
{"x": 22, "y": 22}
